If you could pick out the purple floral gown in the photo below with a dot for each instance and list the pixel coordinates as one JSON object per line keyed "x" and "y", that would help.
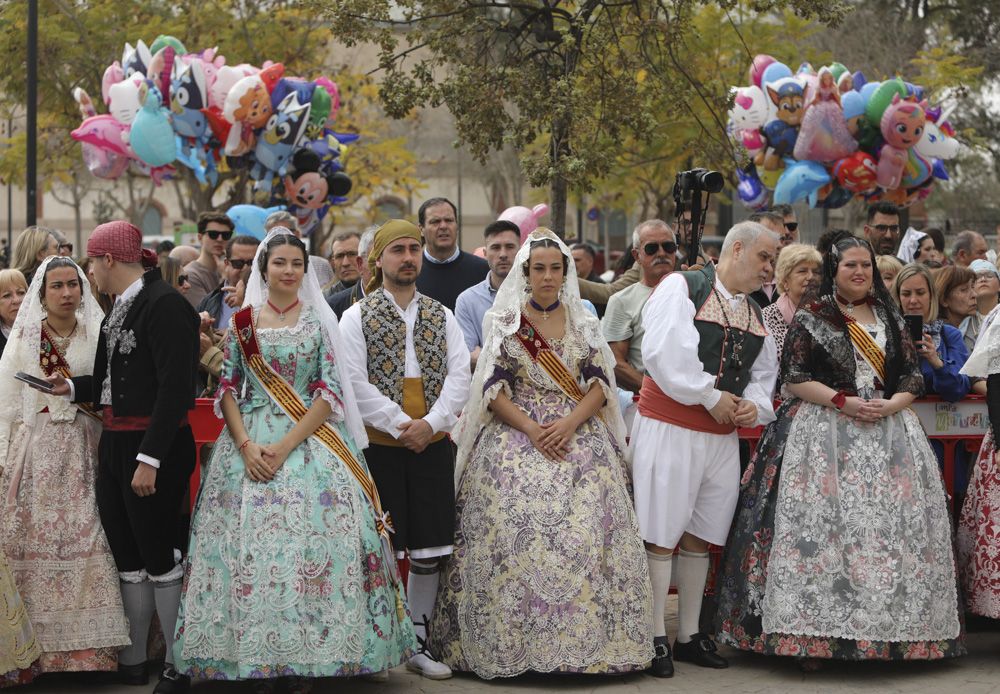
{"x": 549, "y": 572}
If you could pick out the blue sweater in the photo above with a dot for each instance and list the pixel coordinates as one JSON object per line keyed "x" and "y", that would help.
{"x": 947, "y": 381}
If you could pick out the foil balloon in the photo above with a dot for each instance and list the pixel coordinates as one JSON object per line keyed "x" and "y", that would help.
{"x": 800, "y": 181}
{"x": 525, "y": 219}
{"x": 823, "y": 135}
{"x": 750, "y": 190}
{"x": 757, "y": 67}
{"x": 857, "y": 173}
{"x": 902, "y": 126}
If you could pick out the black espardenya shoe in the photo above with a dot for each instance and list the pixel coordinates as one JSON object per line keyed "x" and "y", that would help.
{"x": 133, "y": 675}
{"x": 172, "y": 682}
{"x": 663, "y": 663}
{"x": 701, "y": 651}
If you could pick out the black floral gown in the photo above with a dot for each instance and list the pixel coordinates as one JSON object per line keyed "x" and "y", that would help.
{"x": 841, "y": 545}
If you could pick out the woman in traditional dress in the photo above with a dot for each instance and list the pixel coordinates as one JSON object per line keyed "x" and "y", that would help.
{"x": 978, "y": 534}
{"x": 549, "y": 572}
{"x": 841, "y": 546}
{"x": 51, "y": 532}
{"x": 289, "y": 574}
{"x": 19, "y": 649}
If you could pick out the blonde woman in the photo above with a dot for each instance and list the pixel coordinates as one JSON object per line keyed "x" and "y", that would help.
{"x": 795, "y": 276}
{"x": 12, "y": 291}
{"x": 34, "y": 245}
{"x": 889, "y": 267}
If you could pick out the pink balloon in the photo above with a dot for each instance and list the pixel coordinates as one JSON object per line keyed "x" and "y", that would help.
{"x": 760, "y": 63}
{"x": 104, "y": 133}
{"x": 112, "y": 75}
{"x": 525, "y": 219}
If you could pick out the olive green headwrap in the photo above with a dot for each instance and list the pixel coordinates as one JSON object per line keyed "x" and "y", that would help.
{"x": 392, "y": 230}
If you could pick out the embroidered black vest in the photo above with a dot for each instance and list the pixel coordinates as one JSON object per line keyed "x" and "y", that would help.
{"x": 730, "y": 357}
{"x": 385, "y": 339}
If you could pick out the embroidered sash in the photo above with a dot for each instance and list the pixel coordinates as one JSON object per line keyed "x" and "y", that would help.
{"x": 866, "y": 347}
{"x": 293, "y": 406}
{"x": 52, "y": 362}
{"x": 540, "y": 352}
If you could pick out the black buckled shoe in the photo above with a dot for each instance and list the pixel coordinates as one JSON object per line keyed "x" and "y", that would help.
{"x": 701, "y": 651}
{"x": 663, "y": 664}
{"x": 172, "y": 682}
{"x": 133, "y": 675}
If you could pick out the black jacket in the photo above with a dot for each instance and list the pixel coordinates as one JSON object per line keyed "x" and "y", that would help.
{"x": 213, "y": 304}
{"x": 343, "y": 300}
{"x": 156, "y": 378}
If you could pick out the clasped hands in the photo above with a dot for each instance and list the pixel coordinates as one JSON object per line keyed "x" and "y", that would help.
{"x": 732, "y": 409}
{"x": 869, "y": 411}
{"x": 263, "y": 462}
{"x": 553, "y": 438}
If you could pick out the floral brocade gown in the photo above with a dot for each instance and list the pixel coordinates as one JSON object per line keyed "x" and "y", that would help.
{"x": 287, "y": 577}
{"x": 549, "y": 572}
{"x": 841, "y": 545}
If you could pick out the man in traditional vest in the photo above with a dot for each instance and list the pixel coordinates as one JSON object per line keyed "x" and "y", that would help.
{"x": 409, "y": 365}
{"x": 710, "y": 368}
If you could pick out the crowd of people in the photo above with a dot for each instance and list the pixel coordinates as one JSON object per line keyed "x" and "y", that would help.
{"x": 549, "y": 451}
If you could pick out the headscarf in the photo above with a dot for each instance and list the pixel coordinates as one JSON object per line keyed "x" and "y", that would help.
{"x": 393, "y": 230}
{"x": 909, "y": 245}
{"x": 121, "y": 240}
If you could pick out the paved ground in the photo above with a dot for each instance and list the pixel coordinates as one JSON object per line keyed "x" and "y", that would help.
{"x": 977, "y": 673}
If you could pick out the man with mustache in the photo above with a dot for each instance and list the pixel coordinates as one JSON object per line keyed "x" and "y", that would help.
{"x": 503, "y": 238}
{"x": 407, "y": 359}
{"x": 710, "y": 368}
{"x": 447, "y": 269}
{"x": 654, "y": 248}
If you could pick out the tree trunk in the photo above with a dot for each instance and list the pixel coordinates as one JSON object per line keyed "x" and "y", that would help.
{"x": 557, "y": 212}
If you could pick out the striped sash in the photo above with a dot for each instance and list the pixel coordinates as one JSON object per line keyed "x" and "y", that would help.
{"x": 540, "y": 352}
{"x": 293, "y": 406}
{"x": 866, "y": 347}
{"x": 52, "y": 362}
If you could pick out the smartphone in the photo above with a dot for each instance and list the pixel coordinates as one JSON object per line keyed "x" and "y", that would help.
{"x": 915, "y": 324}
{"x": 34, "y": 382}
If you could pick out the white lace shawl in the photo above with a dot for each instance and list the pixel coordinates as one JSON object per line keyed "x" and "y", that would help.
{"x": 18, "y": 401}
{"x": 310, "y": 294}
{"x": 502, "y": 320}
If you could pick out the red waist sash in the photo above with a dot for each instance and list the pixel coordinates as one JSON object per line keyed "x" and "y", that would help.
{"x": 137, "y": 423}
{"x": 656, "y": 404}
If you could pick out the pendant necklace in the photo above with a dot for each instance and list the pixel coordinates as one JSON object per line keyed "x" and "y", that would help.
{"x": 281, "y": 313}
{"x": 544, "y": 311}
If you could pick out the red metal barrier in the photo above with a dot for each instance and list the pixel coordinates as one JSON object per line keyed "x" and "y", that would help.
{"x": 950, "y": 423}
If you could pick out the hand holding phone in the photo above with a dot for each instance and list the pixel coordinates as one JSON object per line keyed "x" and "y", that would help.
{"x": 915, "y": 326}
{"x": 36, "y": 383}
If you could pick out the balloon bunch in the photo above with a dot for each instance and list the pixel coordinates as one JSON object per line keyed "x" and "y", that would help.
{"x": 829, "y": 136}
{"x": 168, "y": 107}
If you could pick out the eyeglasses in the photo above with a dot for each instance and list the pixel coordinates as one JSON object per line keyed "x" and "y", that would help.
{"x": 181, "y": 279}
{"x": 215, "y": 235}
{"x": 886, "y": 228}
{"x": 68, "y": 247}
{"x": 345, "y": 254}
{"x": 667, "y": 246}
{"x": 791, "y": 226}
{"x": 238, "y": 264}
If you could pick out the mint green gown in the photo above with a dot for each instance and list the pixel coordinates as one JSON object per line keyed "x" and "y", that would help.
{"x": 286, "y": 577}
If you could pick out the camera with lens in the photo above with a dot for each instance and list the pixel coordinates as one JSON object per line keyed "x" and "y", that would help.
{"x": 688, "y": 188}
{"x": 697, "y": 179}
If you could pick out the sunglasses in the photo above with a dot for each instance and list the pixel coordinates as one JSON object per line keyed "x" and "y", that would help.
{"x": 667, "y": 246}
{"x": 238, "y": 264}
{"x": 181, "y": 279}
{"x": 791, "y": 226}
{"x": 215, "y": 235}
{"x": 66, "y": 246}
{"x": 886, "y": 228}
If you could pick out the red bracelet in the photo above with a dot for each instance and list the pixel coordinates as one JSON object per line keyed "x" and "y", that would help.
{"x": 244, "y": 445}
{"x": 839, "y": 400}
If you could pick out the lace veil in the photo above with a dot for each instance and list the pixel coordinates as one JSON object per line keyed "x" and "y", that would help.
{"x": 985, "y": 358}
{"x": 21, "y": 353}
{"x": 310, "y": 294}
{"x": 503, "y": 320}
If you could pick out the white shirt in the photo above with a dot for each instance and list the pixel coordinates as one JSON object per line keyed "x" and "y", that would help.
{"x": 670, "y": 351}
{"x": 380, "y": 411}
{"x": 451, "y": 258}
